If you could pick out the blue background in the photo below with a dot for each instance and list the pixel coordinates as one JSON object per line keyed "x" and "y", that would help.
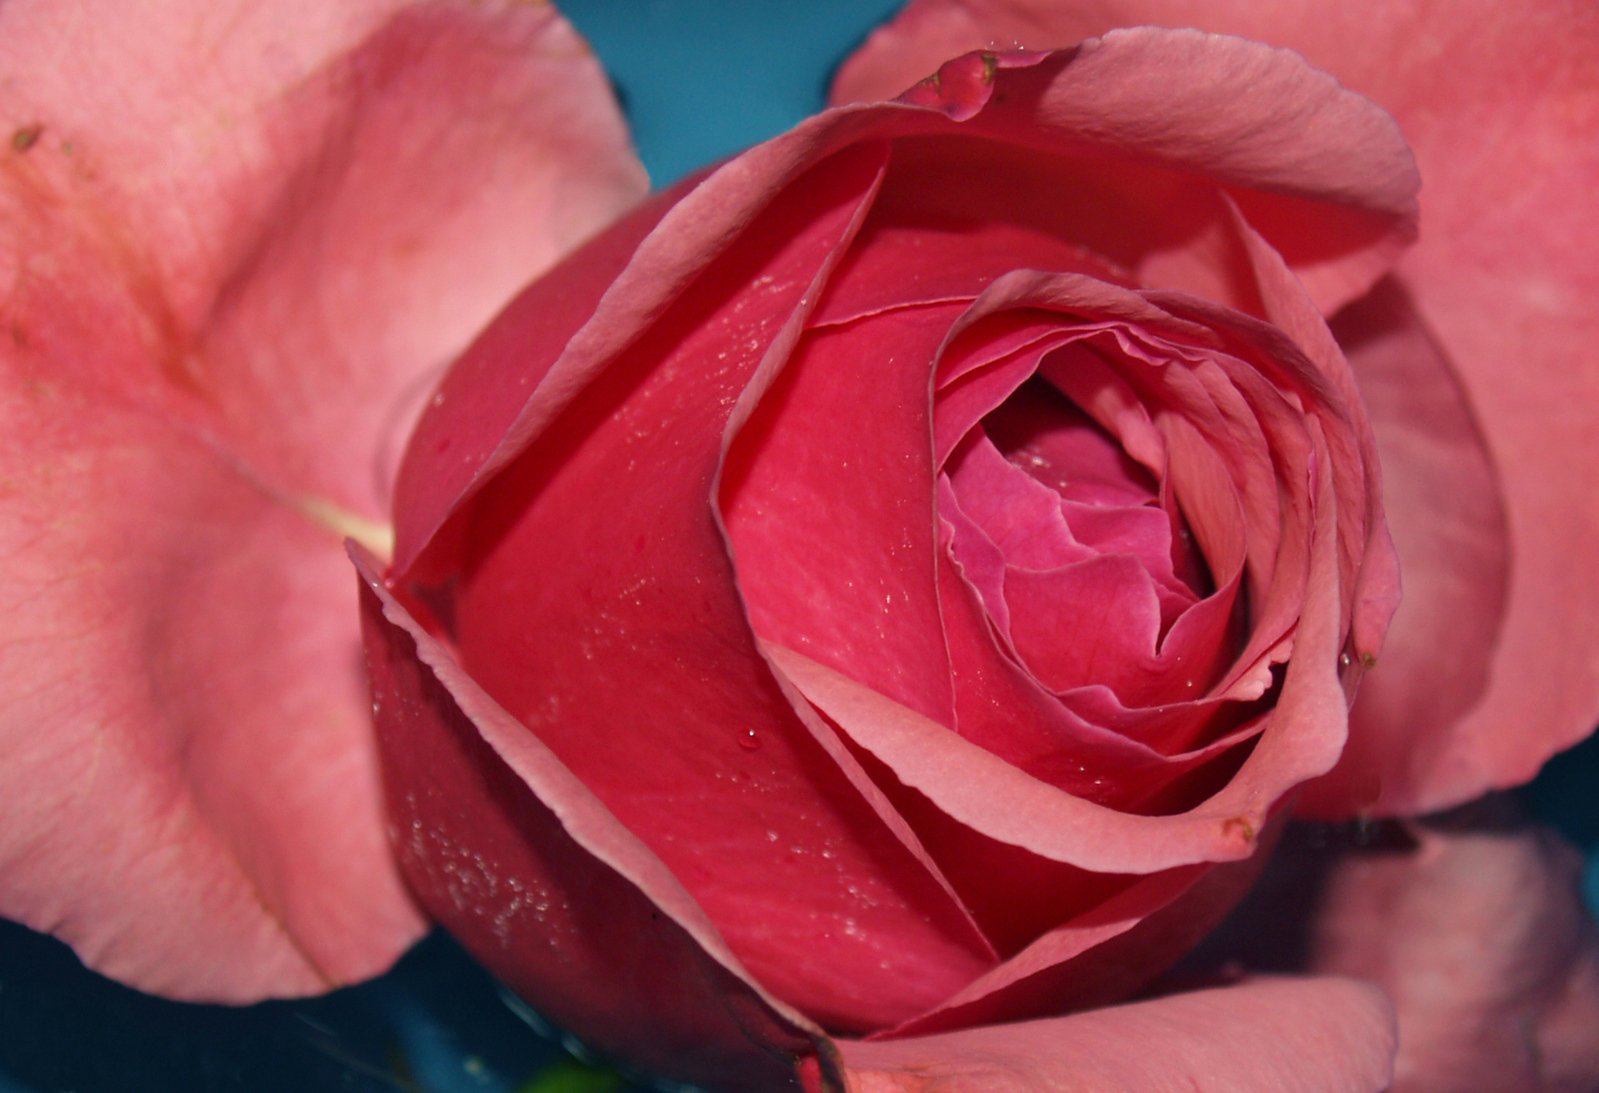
{"x": 699, "y": 79}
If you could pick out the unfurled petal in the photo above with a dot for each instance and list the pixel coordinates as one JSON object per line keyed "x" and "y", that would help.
{"x": 241, "y": 241}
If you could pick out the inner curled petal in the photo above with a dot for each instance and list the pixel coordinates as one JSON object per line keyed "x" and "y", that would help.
{"x": 1068, "y": 541}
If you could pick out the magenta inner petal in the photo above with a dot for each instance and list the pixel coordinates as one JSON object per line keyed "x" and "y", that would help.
{"x": 1076, "y": 549}
{"x": 1144, "y": 533}
{"x": 1014, "y": 512}
{"x": 1092, "y": 622}
{"x": 967, "y": 393}
{"x": 1048, "y": 435}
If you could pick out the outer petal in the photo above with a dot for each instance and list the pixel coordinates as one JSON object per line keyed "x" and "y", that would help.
{"x": 1444, "y": 503}
{"x": 1500, "y": 109}
{"x": 613, "y": 631}
{"x": 527, "y": 867}
{"x": 1474, "y": 925}
{"x": 1265, "y": 125}
{"x": 238, "y": 240}
{"x": 1297, "y": 1036}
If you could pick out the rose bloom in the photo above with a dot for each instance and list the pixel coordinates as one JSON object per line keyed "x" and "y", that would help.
{"x": 868, "y": 611}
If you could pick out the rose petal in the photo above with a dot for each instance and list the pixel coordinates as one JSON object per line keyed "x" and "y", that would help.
{"x": 1057, "y": 100}
{"x": 1307, "y": 732}
{"x": 614, "y": 632}
{"x": 1444, "y": 500}
{"x": 1257, "y": 120}
{"x": 1105, "y": 950}
{"x": 827, "y": 495}
{"x": 1474, "y": 925}
{"x": 531, "y": 872}
{"x": 1092, "y": 622}
{"x": 1298, "y": 1036}
{"x": 242, "y": 239}
{"x": 1490, "y": 957}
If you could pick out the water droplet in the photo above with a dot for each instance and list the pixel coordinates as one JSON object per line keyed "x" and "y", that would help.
{"x": 1343, "y": 660}
{"x": 749, "y": 740}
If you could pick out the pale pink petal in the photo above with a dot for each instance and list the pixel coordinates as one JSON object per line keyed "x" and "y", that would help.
{"x": 1503, "y": 118}
{"x": 1483, "y": 943}
{"x": 1445, "y": 505}
{"x": 242, "y": 240}
{"x": 1474, "y": 925}
{"x": 1500, "y": 109}
{"x": 1289, "y": 1036}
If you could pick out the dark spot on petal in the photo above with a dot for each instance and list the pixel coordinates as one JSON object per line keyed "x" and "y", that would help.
{"x": 1240, "y": 828}
{"x": 26, "y": 137}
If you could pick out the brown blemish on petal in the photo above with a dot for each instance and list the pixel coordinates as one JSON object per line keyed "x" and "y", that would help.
{"x": 1237, "y": 827}
{"x": 990, "y": 66}
{"x": 61, "y": 211}
{"x": 26, "y": 137}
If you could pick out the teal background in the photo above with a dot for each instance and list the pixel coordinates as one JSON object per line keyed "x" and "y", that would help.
{"x": 700, "y": 79}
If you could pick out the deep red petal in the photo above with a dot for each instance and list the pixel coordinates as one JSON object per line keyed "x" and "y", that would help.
{"x": 596, "y": 601}
{"x": 828, "y": 500}
{"x": 510, "y": 851}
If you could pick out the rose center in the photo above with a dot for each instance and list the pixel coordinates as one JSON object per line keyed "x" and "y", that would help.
{"x": 1080, "y": 558}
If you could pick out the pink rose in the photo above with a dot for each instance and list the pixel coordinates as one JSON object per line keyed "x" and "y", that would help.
{"x": 743, "y": 832}
{"x": 887, "y": 587}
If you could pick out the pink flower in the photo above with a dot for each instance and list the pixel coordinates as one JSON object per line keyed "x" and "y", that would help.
{"x": 862, "y": 610}
{"x": 900, "y": 570}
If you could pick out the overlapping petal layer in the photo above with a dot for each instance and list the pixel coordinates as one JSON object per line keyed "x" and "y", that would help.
{"x": 1475, "y": 363}
{"x": 700, "y": 512}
